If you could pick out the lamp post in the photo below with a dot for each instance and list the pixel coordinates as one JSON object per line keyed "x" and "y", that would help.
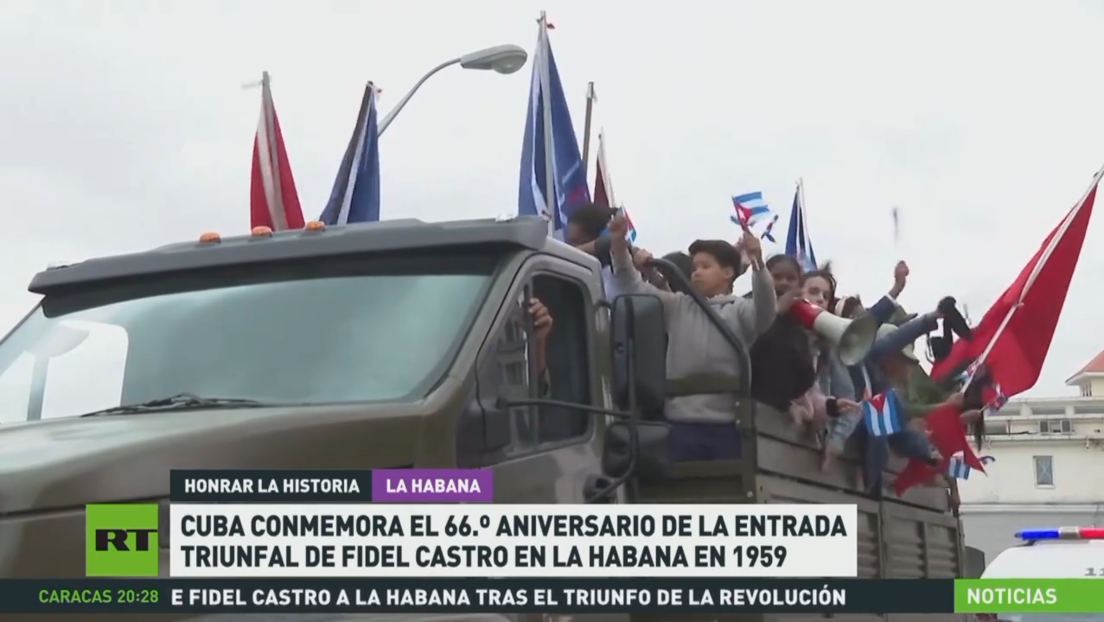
{"x": 503, "y": 59}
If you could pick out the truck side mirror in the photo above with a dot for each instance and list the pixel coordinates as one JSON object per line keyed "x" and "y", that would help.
{"x": 639, "y": 348}
{"x": 653, "y": 462}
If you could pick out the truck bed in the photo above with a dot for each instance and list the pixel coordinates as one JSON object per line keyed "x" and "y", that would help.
{"x": 914, "y": 537}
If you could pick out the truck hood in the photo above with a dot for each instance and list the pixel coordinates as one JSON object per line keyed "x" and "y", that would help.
{"x": 62, "y": 463}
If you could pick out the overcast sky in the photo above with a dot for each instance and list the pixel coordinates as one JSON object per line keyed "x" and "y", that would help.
{"x": 124, "y": 124}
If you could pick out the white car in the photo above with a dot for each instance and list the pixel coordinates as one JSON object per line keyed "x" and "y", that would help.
{"x": 1050, "y": 553}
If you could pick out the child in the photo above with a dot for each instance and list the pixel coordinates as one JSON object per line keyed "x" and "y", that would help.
{"x": 897, "y": 369}
{"x": 781, "y": 358}
{"x": 702, "y": 423}
{"x": 833, "y": 378}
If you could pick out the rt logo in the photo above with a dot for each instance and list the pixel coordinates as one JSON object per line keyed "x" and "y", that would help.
{"x": 120, "y": 540}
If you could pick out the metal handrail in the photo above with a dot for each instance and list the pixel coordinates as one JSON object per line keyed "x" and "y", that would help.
{"x": 673, "y": 275}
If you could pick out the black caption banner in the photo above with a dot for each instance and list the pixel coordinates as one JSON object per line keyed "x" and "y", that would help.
{"x": 372, "y": 595}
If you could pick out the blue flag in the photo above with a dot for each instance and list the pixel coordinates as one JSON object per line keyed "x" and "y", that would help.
{"x": 356, "y": 190}
{"x": 798, "y": 244}
{"x": 555, "y": 137}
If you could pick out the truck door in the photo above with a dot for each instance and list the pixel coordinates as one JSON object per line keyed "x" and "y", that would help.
{"x": 552, "y": 453}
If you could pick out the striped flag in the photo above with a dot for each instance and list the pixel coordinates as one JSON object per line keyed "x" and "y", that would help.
{"x": 356, "y": 191}
{"x": 958, "y": 469}
{"x": 768, "y": 233}
{"x": 273, "y": 201}
{"x": 750, "y": 208}
{"x": 880, "y": 414}
{"x": 631, "y": 234}
{"x": 798, "y": 244}
{"x": 552, "y": 181}
{"x": 603, "y": 189}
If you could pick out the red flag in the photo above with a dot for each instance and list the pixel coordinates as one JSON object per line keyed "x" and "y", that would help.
{"x": 948, "y": 435}
{"x": 915, "y": 472}
{"x": 273, "y": 201}
{"x": 603, "y": 190}
{"x": 1013, "y": 338}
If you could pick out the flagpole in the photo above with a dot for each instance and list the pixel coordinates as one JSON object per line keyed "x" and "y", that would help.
{"x": 546, "y": 101}
{"x": 1035, "y": 270}
{"x": 277, "y": 210}
{"x": 1058, "y": 235}
{"x": 591, "y": 98}
{"x": 804, "y": 213}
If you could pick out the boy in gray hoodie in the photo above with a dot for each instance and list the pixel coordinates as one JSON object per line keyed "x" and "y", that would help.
{"x": 703, "y": 423}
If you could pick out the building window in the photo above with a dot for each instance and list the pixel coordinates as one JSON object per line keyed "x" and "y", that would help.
{"x": 996, "y": 428}
{"x": 1044, "y": 470}
{"x": 1055, "y": 426}
{"x": 1086, "y": 390}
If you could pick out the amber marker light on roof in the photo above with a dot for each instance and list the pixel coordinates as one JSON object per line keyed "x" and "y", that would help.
{"x": 261, "y": 232}
{"x": 314, "y": 225}
{"x": 210, "y": 237}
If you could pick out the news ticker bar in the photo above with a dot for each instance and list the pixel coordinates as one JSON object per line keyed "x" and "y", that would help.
{"x": 629, "y": 595}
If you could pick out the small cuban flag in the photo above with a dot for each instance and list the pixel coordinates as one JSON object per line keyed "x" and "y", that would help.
{"x": 880, "y": 414}
{"x": 631, "y": 236}
{"x": 750, "y": 208}
{"x": 998, "y": 402}
{"x": 768, "y": 233}
{"x": 958, "y": 469}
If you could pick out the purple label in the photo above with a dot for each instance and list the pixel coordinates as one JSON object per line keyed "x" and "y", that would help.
{"x": 432, "y": 485}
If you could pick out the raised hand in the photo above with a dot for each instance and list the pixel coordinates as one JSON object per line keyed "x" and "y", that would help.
{"x": 542, "y": 319}
{"x": 751, "y": 247}
{"x": 618, "y": 226}
{"x": 901, "y": 273}
{"x": 900, "y": 278}
{"x": 786, "y": 301}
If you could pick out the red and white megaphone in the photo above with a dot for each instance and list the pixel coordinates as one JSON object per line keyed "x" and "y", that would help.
{"x": 852, "y": 338}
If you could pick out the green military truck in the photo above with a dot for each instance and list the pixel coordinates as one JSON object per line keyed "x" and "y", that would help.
{"x": 393, "y": 344}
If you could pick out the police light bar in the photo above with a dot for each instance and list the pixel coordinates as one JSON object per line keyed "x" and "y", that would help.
{"x": 1062, "y": 533}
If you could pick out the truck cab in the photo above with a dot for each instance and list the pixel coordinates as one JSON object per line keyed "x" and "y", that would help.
{"x": 384, "y": 345}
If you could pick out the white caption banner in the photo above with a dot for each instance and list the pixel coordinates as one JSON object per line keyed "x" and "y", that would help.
{"x": 384, "y": 540}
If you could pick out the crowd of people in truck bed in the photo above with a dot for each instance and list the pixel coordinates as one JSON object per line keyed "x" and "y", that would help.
{"x": 793, "y": 370}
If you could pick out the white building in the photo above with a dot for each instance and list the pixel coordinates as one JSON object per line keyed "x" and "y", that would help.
{"x": 1048, "y": 469}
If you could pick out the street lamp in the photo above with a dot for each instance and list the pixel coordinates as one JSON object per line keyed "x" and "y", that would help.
{"x": 504, "y": 59}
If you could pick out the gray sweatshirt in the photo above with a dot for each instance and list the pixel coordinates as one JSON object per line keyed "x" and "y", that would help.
{"x": 695, "y": 347}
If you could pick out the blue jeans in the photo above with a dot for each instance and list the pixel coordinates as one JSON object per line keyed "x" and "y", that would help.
{"x": 907, "y": 443}
{"x": 695, "y": 442}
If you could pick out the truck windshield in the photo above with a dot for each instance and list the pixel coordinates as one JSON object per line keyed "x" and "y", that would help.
{"x": 354, "y": 330}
